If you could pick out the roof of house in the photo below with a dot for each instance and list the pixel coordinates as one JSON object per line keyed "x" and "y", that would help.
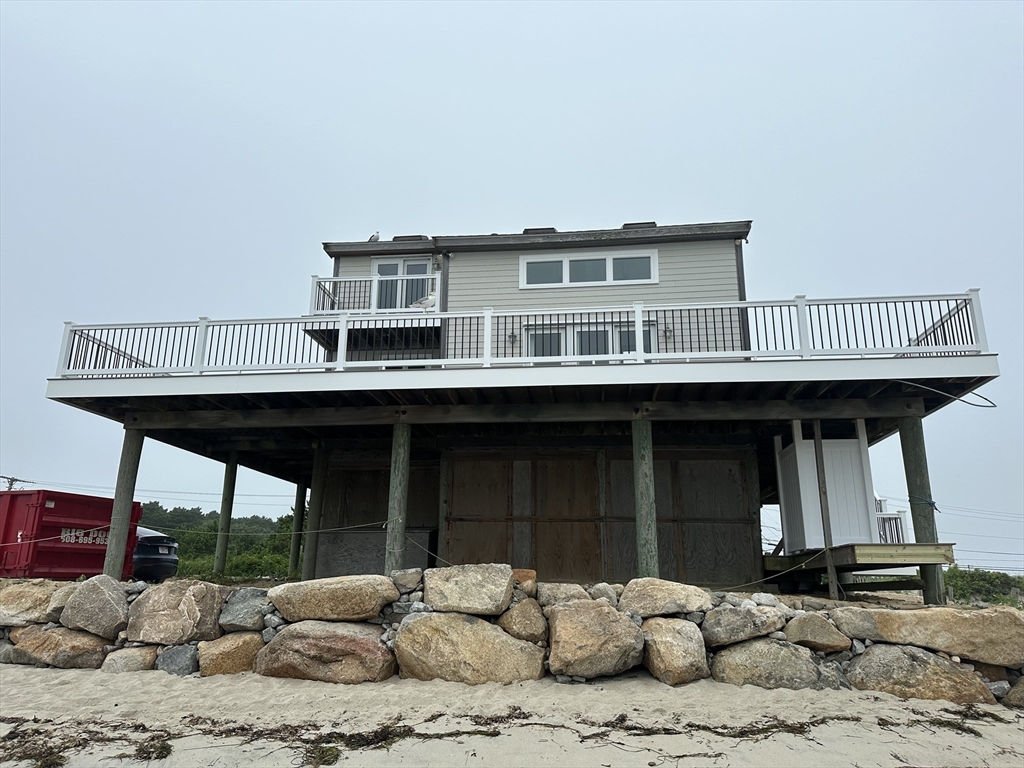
{"x": 545, "y": 238}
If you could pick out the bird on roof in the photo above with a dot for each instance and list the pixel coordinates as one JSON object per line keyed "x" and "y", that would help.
{"x": 374, "y": 237}
{"x": 425, "y": 303}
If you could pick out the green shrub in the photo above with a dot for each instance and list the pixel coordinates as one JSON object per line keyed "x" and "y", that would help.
{"x": 990, "y": 586}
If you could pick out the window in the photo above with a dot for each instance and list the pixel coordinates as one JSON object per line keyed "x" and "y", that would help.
{"x": 584, "y": 339}
{"x": 393, "y": 292}
{"x": 545, "y": 343}
{"x": 627, "y": 340}
{"x": 592, "y": 342}
{"x": 544, "y": 272}
{"x": 631, "y": 268}
{"x": 588, "y": 269}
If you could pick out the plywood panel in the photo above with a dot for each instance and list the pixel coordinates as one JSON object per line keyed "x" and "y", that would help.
{"x": 565, "y": 488}
{"x": 719, "y": 553}
{"x": 481, "y": 502}
{"x": 481, "y": 488}
{"x": 424, "y": 491}
{"x": 477, "y": 542}
{"x": 713, "y": 489}
{"x": 621, "y": 554}
{"x": 568, "y": 551}
{"x": 565, "y": 504}
{"x": 364, "y": 496}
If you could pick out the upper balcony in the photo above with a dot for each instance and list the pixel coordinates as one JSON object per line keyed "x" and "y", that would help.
{"x": 369, "y": 324}
{"x": 376, "y": 294}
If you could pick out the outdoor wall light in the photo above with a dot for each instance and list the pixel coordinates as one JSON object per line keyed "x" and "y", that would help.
{"x": 512, "y": 338}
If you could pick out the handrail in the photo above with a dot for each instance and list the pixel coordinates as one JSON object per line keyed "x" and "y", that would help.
{"x": 902, "y": 326}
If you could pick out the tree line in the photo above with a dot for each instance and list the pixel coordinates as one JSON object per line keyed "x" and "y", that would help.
{"x": 258, "y": 546}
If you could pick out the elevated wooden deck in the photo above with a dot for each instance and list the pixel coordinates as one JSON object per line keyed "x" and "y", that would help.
{"x": 810, "y": 565}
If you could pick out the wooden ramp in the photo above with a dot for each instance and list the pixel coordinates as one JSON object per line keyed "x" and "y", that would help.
{"x": 789, "y": 571}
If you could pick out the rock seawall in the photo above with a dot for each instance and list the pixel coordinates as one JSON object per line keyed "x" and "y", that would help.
{"x": 489, "y": 623}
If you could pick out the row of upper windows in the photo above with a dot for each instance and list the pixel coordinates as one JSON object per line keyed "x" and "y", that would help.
{"x": 583, "y": 269}
{"x": 549, "y": 271}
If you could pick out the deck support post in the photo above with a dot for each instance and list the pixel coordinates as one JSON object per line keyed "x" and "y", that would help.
{"x": 398, "y": 498}
{"x": 317, "y": 491}
{"x": 124, "y": 497}
{"x": 922, "y": 507}
{"x": 826, "y": 523}
{"x": 227, "y": 502}
{"x": 298, "y": 518}
{"x": 444, "y": 499}
{"x": 643, "y": 489}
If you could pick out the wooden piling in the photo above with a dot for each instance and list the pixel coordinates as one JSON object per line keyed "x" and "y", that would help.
{"x": 643, "y": 488}
{"x": 922, "y": 508}
{"x": 124, "y": 497}
{"x": 298, "y": 519}
{"x": 227, "y": 502}
{"x": 318, "y": 488}
{"x": 398, "y": 498}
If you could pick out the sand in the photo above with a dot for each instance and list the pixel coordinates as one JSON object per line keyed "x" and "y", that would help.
{"x": 256, "y": 722}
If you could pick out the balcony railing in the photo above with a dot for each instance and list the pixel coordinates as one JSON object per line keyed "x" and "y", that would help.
{"x": 373, "y": 294}
{"x": 800, "y": 328}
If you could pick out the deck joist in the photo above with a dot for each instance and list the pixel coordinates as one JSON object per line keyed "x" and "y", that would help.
{"x": 863, "y": 557}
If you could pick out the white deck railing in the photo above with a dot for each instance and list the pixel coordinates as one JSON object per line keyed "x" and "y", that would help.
{"x": 898, "y": 326}
{"x": 372, "y": 294}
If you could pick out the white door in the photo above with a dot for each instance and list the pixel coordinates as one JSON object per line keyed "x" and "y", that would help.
{"x": 399, "y": 292}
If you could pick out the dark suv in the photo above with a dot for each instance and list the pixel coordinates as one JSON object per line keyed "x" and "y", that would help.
{"x": 156, "y": 555}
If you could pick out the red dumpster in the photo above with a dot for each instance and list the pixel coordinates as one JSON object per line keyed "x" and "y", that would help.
{"x": 57, "y": 535}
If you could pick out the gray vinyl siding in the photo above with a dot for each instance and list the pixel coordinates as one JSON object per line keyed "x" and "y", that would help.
{"x": 688, "y": 273}
{"x": 354, "y": 266}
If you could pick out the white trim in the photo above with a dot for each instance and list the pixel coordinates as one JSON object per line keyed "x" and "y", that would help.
{"x": 351, "y": 379}
{"x": 566, "y": 256}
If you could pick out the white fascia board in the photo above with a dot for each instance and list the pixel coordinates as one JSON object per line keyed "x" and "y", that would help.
{"x": 966, "y": 366}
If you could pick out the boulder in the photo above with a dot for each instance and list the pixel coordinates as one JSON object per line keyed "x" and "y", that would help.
{"x": 407, "y": 580}
{"x": 26, "y": 601}
{"x": 230, "y": 654}
{"x": 175, "y": 612}
{"x": 98, "y": 606}
{"x": 765, "y": 598}
{"x": 332, "y": 652}
{"x": 910, "y": 672}
{"x": 993, "y": 635}
{"x": 766, "y": 664}
{"x": 674, "y": 650}
{"x": 62, "y": 647}
{"x": 525, "y": 620}
{"x": 725, "y": 626}
{"x": 521, "y": 575}
{"x": 591, "y": 639}
{"x": 1015, "y": 698}
{"x": 243, "y": 612}
{"x": 526, "y": 580}
{"x": 814, "y": 632}
{"x": 179, "y": 660}
{"x": 604, "y": 590}
{"x": 7, "y": 652}
{"x": 483, "y": 589}
{"x": 341, "y": 598}
{"x": 553, "y": 594}
{"x": 59, "y": 599}
{"x": 130, "y": 659}
{"x": 993, "y": 672}
{"x": 657, "y": 597}
{"x": 463, "y": 649}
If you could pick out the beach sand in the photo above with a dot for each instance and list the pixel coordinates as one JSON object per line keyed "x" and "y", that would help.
{"x": 631, "y": 720}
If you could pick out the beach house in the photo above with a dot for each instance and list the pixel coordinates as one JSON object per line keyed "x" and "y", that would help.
{"x": 594, "y": 405}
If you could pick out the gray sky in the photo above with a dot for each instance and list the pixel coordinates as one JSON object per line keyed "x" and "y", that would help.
{"x": 162, "y": 161}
